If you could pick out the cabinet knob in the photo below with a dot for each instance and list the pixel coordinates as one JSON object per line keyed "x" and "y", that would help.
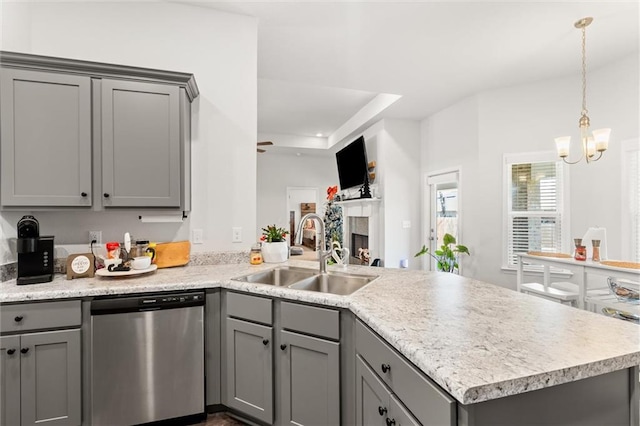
{"x": 11, "y": 351}
{"x": 385, "y": 368}
{"x": 265, "y": 342}
{"x": 283, "y": 346}
{"x": 84, "y": 194}
{"x": 18, "y": 318}
{"x": 382, "y": 410}
{"x": 390, "y": 422}
{"x": 106, "y": 195}
{"x": 24, "y": 350}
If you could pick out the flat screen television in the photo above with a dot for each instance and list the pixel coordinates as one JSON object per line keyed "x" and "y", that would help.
{"x": 352, "y": 164}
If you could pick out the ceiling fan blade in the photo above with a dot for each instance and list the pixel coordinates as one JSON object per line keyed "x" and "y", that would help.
{"x": 261, "y": 150}
{"x": 265, "y": 143}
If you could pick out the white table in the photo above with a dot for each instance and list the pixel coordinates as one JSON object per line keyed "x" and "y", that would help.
{"x": 581, "y": 270}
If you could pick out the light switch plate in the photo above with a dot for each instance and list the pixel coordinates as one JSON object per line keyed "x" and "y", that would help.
{"x": 237, "y": 234}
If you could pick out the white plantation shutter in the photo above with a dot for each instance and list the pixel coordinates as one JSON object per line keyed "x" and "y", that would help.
{"x": 534, "y": 208}
{"x": 634, "y": 203}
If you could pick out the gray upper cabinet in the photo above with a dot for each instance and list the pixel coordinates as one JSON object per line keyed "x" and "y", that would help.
{"x": 310, "y": 377}
{"x": 140, "y": 144}
{"x": 45, "y": 139}
{"x": 91, "y": 135}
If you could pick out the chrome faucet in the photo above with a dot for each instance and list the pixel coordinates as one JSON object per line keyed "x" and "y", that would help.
{"x": 323, "y": 254}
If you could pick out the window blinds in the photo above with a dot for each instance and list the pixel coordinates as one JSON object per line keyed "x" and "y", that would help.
{"x": 534, "y": 209}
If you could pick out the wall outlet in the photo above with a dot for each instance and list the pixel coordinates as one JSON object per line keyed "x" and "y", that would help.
{"x": 95, "y": 235}
{"x": 197, "y": 236}
{"x": 237, "y": 234}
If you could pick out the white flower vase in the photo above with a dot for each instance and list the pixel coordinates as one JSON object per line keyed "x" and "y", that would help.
{"x": 275, "y": 252}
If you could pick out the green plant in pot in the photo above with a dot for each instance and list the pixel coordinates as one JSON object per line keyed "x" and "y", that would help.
{"x": 447, "y": 256}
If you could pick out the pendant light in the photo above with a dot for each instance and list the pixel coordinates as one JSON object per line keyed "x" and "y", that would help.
{"x": 598, "y": 142}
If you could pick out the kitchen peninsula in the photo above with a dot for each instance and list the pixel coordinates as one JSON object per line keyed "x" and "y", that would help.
{"x": 487, "y": 347}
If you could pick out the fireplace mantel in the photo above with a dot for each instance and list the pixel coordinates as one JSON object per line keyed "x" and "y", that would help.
{"x": 363, "y": 207}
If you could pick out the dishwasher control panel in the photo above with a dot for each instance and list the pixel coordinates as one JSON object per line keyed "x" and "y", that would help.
{"x": 113, "y": 305}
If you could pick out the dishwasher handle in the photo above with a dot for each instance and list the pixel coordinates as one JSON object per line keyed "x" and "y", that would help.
{"x": 142, "y": 303}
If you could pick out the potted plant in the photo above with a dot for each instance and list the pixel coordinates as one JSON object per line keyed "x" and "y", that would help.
{"x": 446, "y": 257}
{"x": 274, "y": 246}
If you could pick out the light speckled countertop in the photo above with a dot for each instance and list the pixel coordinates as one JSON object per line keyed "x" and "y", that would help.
{"x": 476, "y": 340}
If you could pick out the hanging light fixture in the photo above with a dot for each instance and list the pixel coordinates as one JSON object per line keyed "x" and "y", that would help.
{"x": 599, "y": 141}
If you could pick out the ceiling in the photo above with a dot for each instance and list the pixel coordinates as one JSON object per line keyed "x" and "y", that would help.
{"x": 320, "y": 62}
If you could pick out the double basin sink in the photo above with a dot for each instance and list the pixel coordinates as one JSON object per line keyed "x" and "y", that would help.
{"x": 309, "y": 279}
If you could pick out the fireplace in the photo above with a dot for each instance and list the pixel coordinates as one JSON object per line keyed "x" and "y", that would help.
{"x": 358, "y": 236}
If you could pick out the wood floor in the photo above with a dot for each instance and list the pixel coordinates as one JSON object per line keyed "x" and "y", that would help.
{"x": 221, "y": 419}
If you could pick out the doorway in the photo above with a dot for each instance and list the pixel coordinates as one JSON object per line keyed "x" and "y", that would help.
{"x": 296, "y": 196}
{"x": 443, "y": 209}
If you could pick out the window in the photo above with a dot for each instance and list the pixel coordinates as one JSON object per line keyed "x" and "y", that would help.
{"x": 536, "y": 216}
{"x": 631, "y": 201}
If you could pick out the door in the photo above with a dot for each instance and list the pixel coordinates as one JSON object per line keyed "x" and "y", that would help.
{"x": 45, "y": 139}
{"x": 250, "y": 369}
{"x": 372, "y": 397}
{"x": 310, "y": 375}
{"x": 400, "y": 416}
{"x": 141, "y": 153}
{"x": 50, "y": 378}
{"x": 9, "y": 380}
{"x": 297, "y": 196}
{"x": 443, "y": 194}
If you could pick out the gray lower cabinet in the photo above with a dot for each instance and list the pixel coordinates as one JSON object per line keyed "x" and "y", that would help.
{"x": 375, "y": 403}
{"x": 249, "y": 368}
{"x": 45, "y": 143}
{"x": 310, "y": 375}
{"x": 40, "y": 379}
{"x": 141, "y": 146}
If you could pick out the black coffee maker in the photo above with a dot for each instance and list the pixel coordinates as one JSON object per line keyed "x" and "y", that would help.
{"x": 35, "y": 253}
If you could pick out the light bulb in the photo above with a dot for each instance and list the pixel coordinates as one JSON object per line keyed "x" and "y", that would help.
{"x": 562, "y": 145}
{"x": 591, "y": 146}
{"x": 602, "y": 139}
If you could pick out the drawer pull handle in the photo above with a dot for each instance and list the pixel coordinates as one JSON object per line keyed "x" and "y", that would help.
{"x": 11, "y": 351}
{"x": 283, "y": 346}
{"x": 24, "y": 350}
{"x": 18, "y": 318}
{"x": 390, "y": 422}
{"x": 385, "y": 368}
{"x": 382, "y": 410}
{"x": 106, "y": 195}
{"x": 265, "y": 342}
{"x": 84, "y": 194}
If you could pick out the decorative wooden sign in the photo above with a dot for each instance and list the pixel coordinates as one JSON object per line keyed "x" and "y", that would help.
{"x": 80, "y": 266}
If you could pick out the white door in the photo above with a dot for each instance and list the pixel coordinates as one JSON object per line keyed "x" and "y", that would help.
{"x": 297, "y": 196}
{"x": 443, "y": 195}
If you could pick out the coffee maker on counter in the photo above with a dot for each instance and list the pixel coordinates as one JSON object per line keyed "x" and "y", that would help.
{"x": 35, "y": 253}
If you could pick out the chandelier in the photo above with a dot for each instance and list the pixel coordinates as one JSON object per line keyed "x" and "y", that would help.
{"x": 591, "y": 143}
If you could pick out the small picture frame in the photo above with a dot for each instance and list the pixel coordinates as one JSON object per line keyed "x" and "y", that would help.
{"x": 81, "y": 266}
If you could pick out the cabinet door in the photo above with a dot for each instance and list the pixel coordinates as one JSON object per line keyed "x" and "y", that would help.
{"x": 50, "y": 378}
{"x": 372, "y": 397}
{"x": 9, "y": 380}
{"x": 45, "y": 139}
{"x": 310, "y": 375}
{"x": 141, "y": 153}
{"x": 399, "y": 414}
{"x": 249, "y": 369}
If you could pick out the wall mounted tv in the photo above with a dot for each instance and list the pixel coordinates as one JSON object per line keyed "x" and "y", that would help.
{"x": 352, "y": 164}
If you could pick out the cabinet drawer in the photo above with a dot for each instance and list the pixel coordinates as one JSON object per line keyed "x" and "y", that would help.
{"x": 430, "y": 404}
{"x": 311, "y": 320}
{"x": 34, "y": 316}
{"x": 247, "y": 307}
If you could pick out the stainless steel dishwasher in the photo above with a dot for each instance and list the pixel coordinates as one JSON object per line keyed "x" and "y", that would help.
{"x": 147, "y": 358}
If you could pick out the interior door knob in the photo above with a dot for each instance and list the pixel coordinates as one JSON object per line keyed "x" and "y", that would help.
{"x": 24, "y": 350}
{"x": 11, "y": 351}
{"x": 385, "y": 368}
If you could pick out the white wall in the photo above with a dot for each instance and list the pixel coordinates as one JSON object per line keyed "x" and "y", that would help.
{"x": 278, "y": 171}
{"x": 220, "y": 49}
{"x": 476, "y": 132}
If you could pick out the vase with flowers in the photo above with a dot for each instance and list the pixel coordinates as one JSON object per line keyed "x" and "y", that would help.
{"x": 275, "y": 248}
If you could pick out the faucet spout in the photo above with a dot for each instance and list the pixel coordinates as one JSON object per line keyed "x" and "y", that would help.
{"x": 323, "y": 253}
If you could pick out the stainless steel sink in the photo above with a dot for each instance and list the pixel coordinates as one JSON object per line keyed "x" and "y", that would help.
{"x": 280, "y": 276}
{"x": 334, "y": 283}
